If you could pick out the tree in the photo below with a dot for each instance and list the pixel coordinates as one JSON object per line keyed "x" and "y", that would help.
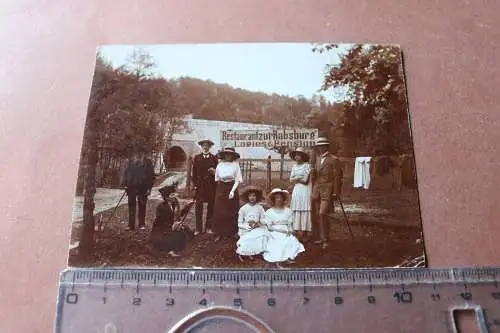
{"x": 170, "y": 120}
{"x": 127, "y": 107}
{"x": 330, "y": 122}
{"x": 375, "y": 108}
{"x": 140, "y": 63}
{"x": 208, "y": 100}
{"x": 101, "y": 88}
{"x": 142, "y": 111}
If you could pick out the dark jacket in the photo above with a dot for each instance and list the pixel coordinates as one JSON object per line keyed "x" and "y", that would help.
{"x": 166, "y": 214}
{"x": 140, "y": 175}
{"x": 162, "y": 237}
{"x": 201, "y": 177}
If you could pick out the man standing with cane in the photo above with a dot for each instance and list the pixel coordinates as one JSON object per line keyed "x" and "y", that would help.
{"x": 203, "y": 179}
{"x": 325, "y": 190}
{"x": 139, "y": 179}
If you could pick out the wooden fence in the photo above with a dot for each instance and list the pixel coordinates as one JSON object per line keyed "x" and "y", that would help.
{"x": 266, "y": 173}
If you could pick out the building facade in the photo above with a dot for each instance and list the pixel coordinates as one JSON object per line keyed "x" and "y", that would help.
{"x": 185, "y": 144}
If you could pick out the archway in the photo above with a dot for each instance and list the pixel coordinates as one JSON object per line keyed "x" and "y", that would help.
{"x": 175, "y": 157}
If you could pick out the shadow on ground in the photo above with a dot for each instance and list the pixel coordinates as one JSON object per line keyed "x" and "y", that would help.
{"x": 374, "y": 245}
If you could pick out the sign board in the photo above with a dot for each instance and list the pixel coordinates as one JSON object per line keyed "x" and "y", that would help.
{"x": 269, "y": 138}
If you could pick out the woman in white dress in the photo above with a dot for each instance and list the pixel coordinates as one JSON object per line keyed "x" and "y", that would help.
{"x": 301, "y": 194}
{"x": 282, "y": 245}
{"x": 253, "y": 234}
{"x": 227, "y": 177}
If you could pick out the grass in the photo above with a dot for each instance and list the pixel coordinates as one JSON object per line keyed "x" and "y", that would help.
{"x": 374, "y": 245}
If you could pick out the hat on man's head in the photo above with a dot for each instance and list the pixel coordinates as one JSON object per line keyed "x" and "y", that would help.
{"x": 210, "y": 142}
{"x": 276, "y": 191}
{"x": 299, "y": 151}
{"x": 252, "y": 189}
{"x": 168, "y": 189}
{"x": 321, "y": 141}
{"x": 228, "y": 151}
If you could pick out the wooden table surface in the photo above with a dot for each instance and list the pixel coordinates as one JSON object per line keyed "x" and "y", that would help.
{"x": 451, "y": 51}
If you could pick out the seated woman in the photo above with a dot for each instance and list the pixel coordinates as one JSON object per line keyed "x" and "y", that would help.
{"x": 167, "y": 235}
{"x": 281, "y": 245}
{"x": 253, "y": 235}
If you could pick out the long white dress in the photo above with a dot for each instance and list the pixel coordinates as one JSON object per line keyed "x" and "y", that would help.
{"x": 300, "y": 204}
{"x": 280, "y": 245}
{"x": 252, "y": 241}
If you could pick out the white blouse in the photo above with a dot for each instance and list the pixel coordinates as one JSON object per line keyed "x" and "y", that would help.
{"x": 248, "y": 213}
{"x": 279, "y": 219}
{"x": 300, "y": 172}
{"x": 228, "y": 172}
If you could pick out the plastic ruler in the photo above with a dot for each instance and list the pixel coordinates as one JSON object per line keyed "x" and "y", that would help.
{"x": 326, "y": 300}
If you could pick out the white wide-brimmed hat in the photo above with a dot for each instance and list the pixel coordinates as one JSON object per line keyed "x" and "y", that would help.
{"x": 228, "y": 151}
{"x": 322, "y": 141}
{"x": 300, "y": 151}
{"x": 275, "y": 191}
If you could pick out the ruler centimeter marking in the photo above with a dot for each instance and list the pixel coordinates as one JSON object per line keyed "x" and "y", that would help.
{"x": 284, "y": 277}
{"x": 421, "y": 299}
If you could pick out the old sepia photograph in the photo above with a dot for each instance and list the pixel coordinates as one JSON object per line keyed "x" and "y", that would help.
{"x": 249, "y": 156}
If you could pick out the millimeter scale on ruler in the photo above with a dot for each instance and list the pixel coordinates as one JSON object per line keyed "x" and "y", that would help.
{"x": 206, "y": 300}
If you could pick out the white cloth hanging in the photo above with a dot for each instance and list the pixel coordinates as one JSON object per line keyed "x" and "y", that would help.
{"x": 358, "y": 172}
{"x": 366, "y": 173}
{"x": 362, "y": 172}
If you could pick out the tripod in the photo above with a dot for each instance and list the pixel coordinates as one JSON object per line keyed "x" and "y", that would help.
{"x": 337, "y": 198}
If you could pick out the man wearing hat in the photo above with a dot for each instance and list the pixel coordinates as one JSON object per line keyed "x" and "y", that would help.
{"x": 139, "y": 179}
{"x": 203, "y": 179}
{"x": 325, "y": 189}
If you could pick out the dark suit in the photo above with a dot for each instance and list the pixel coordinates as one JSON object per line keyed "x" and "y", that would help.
{"x": 327, "y": 183}
{"x": 139, "y": 179}
{"x": 204, "y": 183}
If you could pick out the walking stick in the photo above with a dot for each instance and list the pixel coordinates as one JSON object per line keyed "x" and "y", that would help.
{"x": 186, "y": 210}
{"x": 116, "y": 207}
{"x": 345, "y": 217}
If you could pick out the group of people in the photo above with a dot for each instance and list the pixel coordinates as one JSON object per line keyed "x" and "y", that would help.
{"x": 277, "y": 233}
{"x": 303, "y": 213}
{"x": 267, "y": 232}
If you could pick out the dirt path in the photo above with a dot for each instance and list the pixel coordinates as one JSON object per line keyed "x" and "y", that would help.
{"x": 106, "y": 198}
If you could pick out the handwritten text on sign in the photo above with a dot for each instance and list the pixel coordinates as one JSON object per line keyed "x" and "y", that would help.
{"x": 269, "y": 138}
